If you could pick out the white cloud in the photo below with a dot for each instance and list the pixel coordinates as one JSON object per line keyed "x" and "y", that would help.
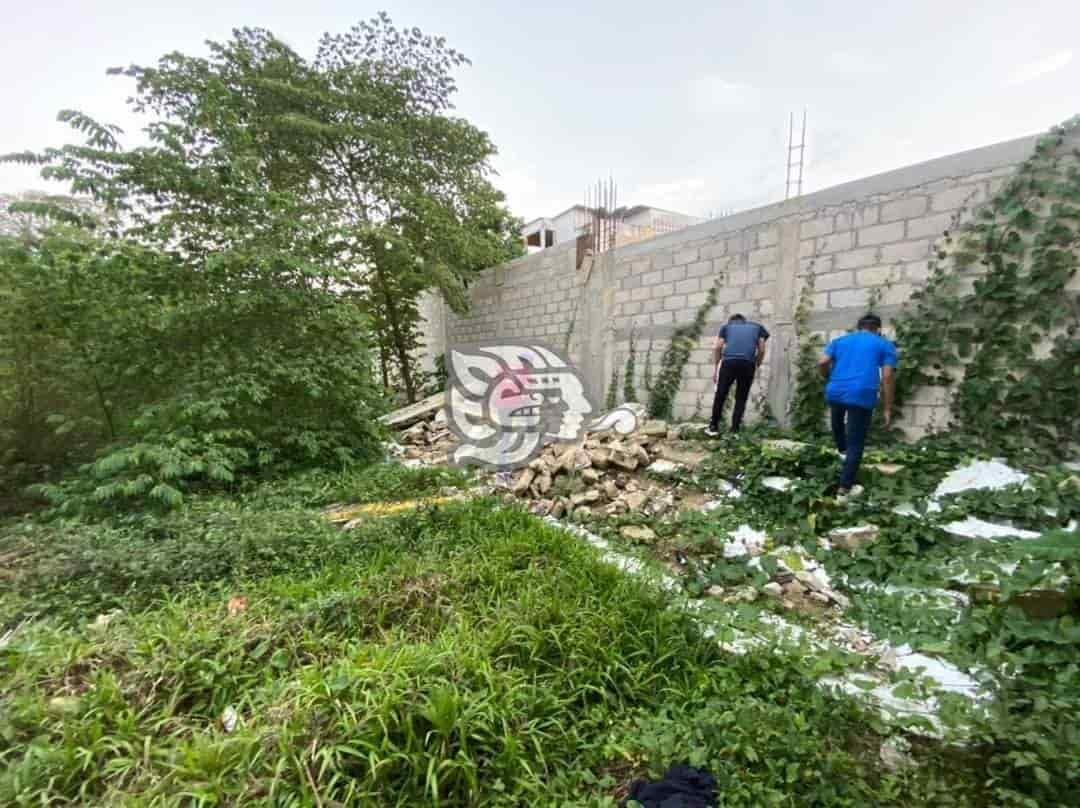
{"x": 1040, "y": 68}
{"x": 713, "y": 90}
{"x": 852, "y": 61}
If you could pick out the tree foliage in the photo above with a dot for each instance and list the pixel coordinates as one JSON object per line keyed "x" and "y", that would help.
{"x": 275, "y": 228}
{"x": 346, "y": 170}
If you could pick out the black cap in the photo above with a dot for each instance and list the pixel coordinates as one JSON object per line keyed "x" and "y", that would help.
{"x": 870, "y": 321}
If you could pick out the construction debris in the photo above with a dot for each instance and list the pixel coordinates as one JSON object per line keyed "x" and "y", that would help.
{"x": 420, "y": 411}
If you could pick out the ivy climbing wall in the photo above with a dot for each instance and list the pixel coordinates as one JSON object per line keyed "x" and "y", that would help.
{"x": 806, "y": 267}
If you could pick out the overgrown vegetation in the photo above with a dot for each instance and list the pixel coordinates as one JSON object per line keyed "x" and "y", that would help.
{"x": 685, "y": 338}
{"x": 388, "y": 664}
{"x": 807, "y": 407}
{"x": 1011, "y": 340}
{"x": 254, "y": 269}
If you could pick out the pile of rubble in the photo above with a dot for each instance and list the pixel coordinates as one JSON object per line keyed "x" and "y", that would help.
{"x": 600, "y": 476}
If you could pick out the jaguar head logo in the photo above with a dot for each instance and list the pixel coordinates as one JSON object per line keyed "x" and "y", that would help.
{"x": 506, "y": 402}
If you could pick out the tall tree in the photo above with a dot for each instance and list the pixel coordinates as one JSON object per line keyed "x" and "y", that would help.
{"x": 346, "y": 171}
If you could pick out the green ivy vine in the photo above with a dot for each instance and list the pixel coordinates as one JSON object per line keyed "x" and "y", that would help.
{"x": 807, "y": 407}
{"x": 1010, "y": 345}
{"x": 629, "y": 391}
{"x": 669, "y": 379}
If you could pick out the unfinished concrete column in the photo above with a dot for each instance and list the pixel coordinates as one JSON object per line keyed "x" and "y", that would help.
{"x": 783, "y": 343}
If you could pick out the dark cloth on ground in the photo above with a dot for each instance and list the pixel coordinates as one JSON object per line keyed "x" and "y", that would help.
{"x": 682, "y": 787}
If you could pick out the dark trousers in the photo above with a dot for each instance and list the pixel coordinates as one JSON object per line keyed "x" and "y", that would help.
{"x": 849, "y": 427}
{"x": 739, "y": 372}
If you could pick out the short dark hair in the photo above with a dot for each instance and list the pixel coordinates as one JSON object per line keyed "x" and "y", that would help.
{"x": 870, "y": 322}
{"x": 737, "y": 318}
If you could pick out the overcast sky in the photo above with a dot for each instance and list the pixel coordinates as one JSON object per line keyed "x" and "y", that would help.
{"x": 686, "y": 105}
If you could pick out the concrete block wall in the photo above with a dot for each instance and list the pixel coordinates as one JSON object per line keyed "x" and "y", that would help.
{"x": 865, "y": 242}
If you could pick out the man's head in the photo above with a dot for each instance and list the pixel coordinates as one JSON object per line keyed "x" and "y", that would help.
{"x": 870, "y": 322}
{"x": 737, "y": 318}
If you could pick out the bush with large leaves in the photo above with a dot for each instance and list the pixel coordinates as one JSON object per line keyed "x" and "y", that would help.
{"x": 177, "y": 373}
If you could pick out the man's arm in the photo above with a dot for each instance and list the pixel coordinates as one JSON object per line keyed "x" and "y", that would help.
{"x": 888, "y": 390}
{"x": 718, "y": 354}
{"x": 824, "y": 365}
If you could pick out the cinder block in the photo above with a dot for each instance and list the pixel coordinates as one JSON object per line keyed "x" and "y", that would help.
{"x": 896, "y": 294}
{"x": 700, "y": 269}
{"x": 833, "y": 280}
{"x": 876, "y": 276}
{"x": 835, "y": 243}
{"x": 821, "y": 226}
{"x": 688, "y": 287}
{"x": 765, "y": 255}
{"x": 662, "y": 260}
{"x": 662, "y": 317}
{"x": 697, "y": 299}
{"x": 848, "y": 298}
{"x": 630, "y": 308}
{"x": 905, "y": 251}
{"x": 675, "y": 302}
{"x": 963, "y": 196}
{"x": 758, "y": 291}
{"x": 731, "y": 294}
{"x": 768, "y": 237}
{"x": 652, "y": 278}
{"x": 903, "y": 208}
{"x": 662, "y": 290}
{"x": 917, "y": 271}
{"x": 641, "y": 293}
{"x": 675, "y": 273}
{"x": 932, "y": 226}
{"x": 863, "y": 257}
{"x": 737, "y": 277}
{"x": 651, "y": 305}
{"x": 687, "y": 255}
{"x": 853, "y": 219}
{"x": 881, "y": 234}
{"x": 714, "y": 249}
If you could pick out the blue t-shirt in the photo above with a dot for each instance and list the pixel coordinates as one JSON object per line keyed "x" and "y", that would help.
{"x": 741, "y": 339}
{"x": 856, "y": 361}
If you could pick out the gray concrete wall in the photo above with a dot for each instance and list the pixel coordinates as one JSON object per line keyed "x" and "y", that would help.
{"x": 869, "y": 237}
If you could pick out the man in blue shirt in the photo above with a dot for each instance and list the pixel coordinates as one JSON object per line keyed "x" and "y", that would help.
{"x": 738, "y": 352}
{"x": 856, "y": 365}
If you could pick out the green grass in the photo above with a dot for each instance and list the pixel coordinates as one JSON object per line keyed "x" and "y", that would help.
{"x": 456, "y": 656}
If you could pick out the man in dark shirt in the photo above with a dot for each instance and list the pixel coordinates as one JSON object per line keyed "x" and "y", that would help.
{"x": 738, "y": 352}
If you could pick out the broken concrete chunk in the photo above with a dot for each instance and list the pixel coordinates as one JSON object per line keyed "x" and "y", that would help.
{"x": 637, "y": 533}
{"x": 773, "y": 589}
{"x": 680, "y": 453}
{"x": 601, "y": 458}
{"x": 541, "y": 507}
{"x": 639, "y": 453}
{"x": 776, "y": 483}
{"x": 851, "y": 538}
{"x": 543, "y": 482}
{"x": 585, "y": 497}
{"x": 415, "y": 434}
{"x": 590, "y": 476}
{"x": 980, "y": 475}
{"x": 582, "y": 513}
{"x": 581, "y": 460}
{"x": 655, "y": 429}
{"x": 663, "y": 468}
{"x": 414, "y": 412}
{"x": 785, "y": 445}
{"x": 524, "y": 480}
{"x": 635, "y": 500}
{"x": 611, "y": 490}
{"x": 972, "y": 528}
{"x": 888, "y": 469}
{"x": 624, "y": 461}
